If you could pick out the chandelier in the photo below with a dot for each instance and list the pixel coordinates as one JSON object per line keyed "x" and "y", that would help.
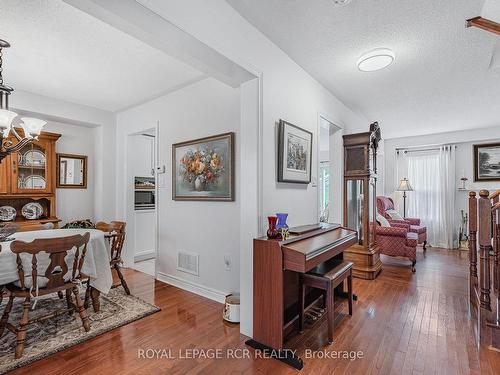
{"x": 32, "y": 127}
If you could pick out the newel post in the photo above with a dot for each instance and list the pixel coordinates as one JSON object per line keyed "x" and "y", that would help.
{"x": 484, "y": 247}
{"x": 472, "y": 235}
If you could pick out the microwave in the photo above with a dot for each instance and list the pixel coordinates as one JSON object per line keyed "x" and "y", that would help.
{"x": 144, "y": 199}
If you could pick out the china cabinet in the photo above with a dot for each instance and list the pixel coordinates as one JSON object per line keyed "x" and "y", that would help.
{"x": 360, "y": 180}
{"x": 28, "y": 175}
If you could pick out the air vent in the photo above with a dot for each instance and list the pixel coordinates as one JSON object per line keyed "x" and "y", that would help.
{"x": 188, "y": 262}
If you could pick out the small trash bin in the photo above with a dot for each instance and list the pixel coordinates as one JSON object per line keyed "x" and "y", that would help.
{"x": 231, "y": 312}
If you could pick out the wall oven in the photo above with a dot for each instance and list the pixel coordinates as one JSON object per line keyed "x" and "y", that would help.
{"x": 144, "y": 199}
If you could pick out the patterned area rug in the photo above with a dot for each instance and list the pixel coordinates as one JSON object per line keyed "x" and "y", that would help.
{"x": 54, "y": 335}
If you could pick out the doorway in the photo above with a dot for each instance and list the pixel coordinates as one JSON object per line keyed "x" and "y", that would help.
{"x": 329, "y": 171}
{"x": 141, "y": 199}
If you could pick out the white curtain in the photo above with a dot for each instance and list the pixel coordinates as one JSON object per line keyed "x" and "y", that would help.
{"x": 432, "y": 175}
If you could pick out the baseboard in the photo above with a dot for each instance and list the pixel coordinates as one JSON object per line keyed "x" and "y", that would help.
{"x": 144, "y": 255}
{"x": 201, "y": 290}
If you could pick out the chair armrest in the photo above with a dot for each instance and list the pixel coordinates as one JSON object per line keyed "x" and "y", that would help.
{"x": 413, "y": 220}
{"x": 400, "y": 225}
{"x": 391, "y": 231}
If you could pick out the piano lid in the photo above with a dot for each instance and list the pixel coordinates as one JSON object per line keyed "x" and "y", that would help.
{"x": 303, "y": 253}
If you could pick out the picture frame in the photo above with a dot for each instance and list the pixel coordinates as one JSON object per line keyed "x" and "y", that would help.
{"x": 204, "y": 169}
{"x": 71, "y": 171}
{"x": 294, "y": 153}
{"x": 487, "y": 162}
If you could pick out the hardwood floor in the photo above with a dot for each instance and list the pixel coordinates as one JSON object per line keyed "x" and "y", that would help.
{"x": 403, "y": 323}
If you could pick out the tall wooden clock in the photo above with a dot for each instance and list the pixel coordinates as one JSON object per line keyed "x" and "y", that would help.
{"x": 360, "y": 210}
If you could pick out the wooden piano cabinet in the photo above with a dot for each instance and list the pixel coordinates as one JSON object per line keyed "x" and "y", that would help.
{"x": 276, "y": 267}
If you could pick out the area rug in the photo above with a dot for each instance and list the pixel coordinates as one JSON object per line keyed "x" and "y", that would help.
{"x": 54, "y": 335}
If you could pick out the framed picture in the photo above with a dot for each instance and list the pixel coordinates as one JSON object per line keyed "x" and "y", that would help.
{"x": 203, "y": 169}
{"x": 71, "y": 171}
{"x": 294, "y": 153}
{"x": 487, "y": 162}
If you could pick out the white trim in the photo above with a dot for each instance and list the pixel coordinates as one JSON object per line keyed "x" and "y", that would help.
{"x": 144, "y": 255}
{"x": 213, "y": 294}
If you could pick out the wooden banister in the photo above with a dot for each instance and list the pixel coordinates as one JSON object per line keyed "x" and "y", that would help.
{"x": 484, "y": 248}
{"x": 472, "y": 235}
{"x": 495, "y": 194}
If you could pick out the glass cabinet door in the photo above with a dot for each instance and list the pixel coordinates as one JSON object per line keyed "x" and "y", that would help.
{"x": 31, "y": 168}
{"x": 354, "y": 207}
{"x": 4, "y": 167}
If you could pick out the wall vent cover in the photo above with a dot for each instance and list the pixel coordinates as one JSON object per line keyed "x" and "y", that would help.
{"x": 188, "y": 262}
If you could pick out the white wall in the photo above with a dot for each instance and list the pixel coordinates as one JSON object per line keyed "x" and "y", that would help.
{"x": 74, "y": 204}
{"x": 100, "y": 123}
{"x": 288, "y": 92}
{"x": 464, "y": 159}
{"x": 211, "y": 229}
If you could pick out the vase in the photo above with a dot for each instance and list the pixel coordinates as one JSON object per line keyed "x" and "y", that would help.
{"x": 281, "y": 221}
{"x": 272, "y": 232}
{"x": 199, "y": 184}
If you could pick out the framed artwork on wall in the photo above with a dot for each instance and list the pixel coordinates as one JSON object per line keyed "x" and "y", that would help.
{"x": 487, "y": 162}
{"x": 203, "y": 169}
{"x": 294, "y": 153}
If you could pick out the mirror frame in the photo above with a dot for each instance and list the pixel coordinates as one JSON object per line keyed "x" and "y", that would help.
{"x": 58, "y": 171}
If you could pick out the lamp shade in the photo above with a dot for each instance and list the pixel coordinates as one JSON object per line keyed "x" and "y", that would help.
{"x": 404, "y": 185}
{"x": 32, "y": 126}
{"x": 6, "y": 118}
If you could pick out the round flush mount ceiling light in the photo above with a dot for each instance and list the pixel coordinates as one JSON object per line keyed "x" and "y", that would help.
{"x": 376, "y": 59}
{"x": 341, "y": 2}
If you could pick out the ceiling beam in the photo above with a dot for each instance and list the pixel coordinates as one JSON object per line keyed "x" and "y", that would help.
{"x": 484, "y": 24}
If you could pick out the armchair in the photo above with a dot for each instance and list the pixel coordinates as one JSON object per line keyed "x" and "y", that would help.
{"x": 386, "y": 203}
{"x": 397, "y": 241}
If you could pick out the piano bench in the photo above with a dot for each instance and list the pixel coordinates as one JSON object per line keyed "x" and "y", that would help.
{"x": 326, "y": 276}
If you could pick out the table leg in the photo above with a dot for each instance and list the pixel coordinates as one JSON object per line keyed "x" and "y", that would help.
{"x": 94, "y": 296}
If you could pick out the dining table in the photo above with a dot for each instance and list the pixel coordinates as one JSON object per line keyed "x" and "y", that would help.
{"x": 95, "y": 265}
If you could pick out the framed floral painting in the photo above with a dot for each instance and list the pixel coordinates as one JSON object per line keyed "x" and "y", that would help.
{"x": 294, "y": 153}
{"x": 203, "y": 169}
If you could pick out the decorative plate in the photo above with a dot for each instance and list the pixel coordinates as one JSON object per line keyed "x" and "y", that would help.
{"x": 32, "y": 211}
{"x": 7, "y": 213}
{"x": 34, "y": 158}
{"x": 34, "y": 182}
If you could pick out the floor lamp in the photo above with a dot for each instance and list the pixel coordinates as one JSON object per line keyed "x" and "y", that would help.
{"x": 404, "y": 186}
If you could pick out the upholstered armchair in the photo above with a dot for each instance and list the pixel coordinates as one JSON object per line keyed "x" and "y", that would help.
{"x": 397, "y": 241}
{"x": 385, "y": 204}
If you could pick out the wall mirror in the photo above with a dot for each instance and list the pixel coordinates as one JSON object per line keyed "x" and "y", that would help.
{"x": 71, "y": 171}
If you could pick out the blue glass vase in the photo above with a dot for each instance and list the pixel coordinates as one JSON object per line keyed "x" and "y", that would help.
{"x": 282, "y": 221}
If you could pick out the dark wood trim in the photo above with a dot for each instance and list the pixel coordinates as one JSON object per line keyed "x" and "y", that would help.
{"x": 484, "y": 24}
{"x": 281, "y": 146}
{"x": 476, "y": 162}
{"x": 231, "y": 198}
{"x": 58, "y": 171}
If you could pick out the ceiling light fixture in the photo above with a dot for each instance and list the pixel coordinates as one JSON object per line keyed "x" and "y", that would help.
{"x": 32, "y": 127}
{"x": 376, "y": 59}
{"x": 341, "y": 2}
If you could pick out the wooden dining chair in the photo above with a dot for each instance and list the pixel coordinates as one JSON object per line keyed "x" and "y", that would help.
{"x": 115, "y": 234}
{"x": 29, "y": 285}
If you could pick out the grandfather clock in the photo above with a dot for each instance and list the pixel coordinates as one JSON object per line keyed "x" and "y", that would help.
{"x": 360, "y": 181}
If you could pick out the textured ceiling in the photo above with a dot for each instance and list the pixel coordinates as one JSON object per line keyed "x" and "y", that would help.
{"x": 440, "y": 81}
{"x": 61, "y": 52}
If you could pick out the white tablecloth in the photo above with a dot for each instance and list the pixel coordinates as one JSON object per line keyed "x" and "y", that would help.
{"x": 96, "y": 264}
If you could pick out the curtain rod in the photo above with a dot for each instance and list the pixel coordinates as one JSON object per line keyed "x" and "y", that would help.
{"x": 422, "y": 148}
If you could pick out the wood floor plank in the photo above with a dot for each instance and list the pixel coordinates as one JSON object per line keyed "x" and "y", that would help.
{"x": 404, "y": 322}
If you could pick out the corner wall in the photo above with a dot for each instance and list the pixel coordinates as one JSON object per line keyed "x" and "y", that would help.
{"x": 210, "y": 229}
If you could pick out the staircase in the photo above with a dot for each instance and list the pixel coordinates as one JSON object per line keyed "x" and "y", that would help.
{"x": 484, "y": 266}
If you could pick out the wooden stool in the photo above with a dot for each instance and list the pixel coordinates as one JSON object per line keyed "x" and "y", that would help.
{"x": 327, "y": 276}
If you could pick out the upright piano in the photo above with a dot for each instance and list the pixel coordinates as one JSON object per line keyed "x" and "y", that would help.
{"x": 276, "y": 268}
